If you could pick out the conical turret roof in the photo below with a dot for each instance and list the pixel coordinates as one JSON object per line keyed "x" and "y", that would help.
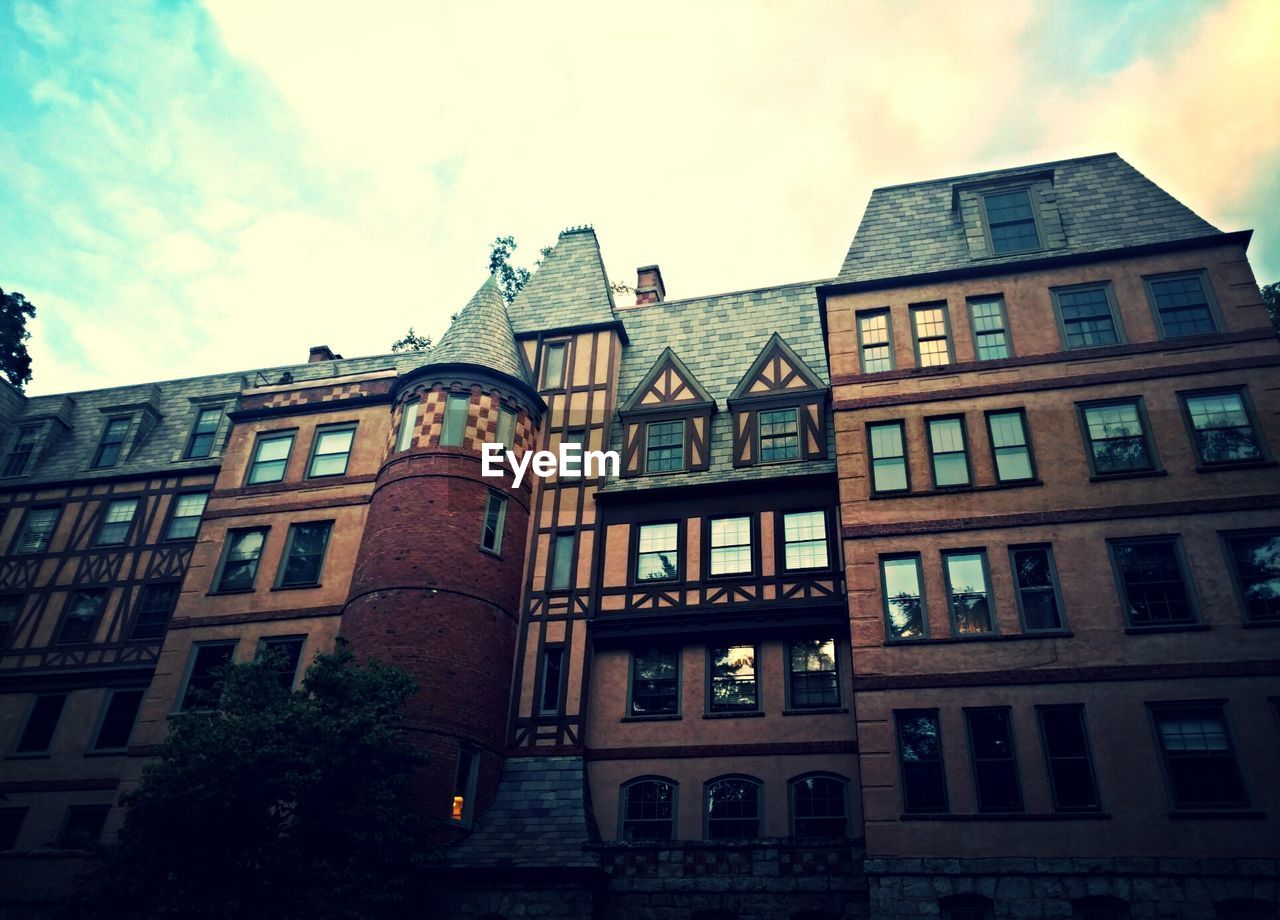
{"x": 481, "y": 334}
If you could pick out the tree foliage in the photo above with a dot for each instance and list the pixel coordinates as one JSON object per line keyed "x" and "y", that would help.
{"x": 1271, "y": 297}
{"x": 282, "y": 805}
{"x": 511, "y": 278}
{"x": 411, "y": 341}
{"x": 15, "y": 362}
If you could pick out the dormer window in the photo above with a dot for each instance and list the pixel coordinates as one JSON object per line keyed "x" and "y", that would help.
{"x": 24, "y": 446}
{"x": 109, "y": 447}
{"x": 779, "y": 405}
{"x": 779, "y": 434}
{"x": 1010, "y": 221}
{"x": 200, "y": 443}
{"x": 664, "y": 447}
{"x": 666, "y": 422}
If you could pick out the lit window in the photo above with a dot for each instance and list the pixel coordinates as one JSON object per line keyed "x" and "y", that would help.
{"x": 658, "y": 552}
{"x": 240, "y": 564}
{"x": 995, "y": 766}
{"x": 903, "y": 597}
{"x": 80, "y": 622}
{"x": 813, "y": 679}
{"x": 948, "y": 450}
{"x": 733, "y": 679}
{"x": 730, "y": 546}
{"x": 968, "y": 595}
{"x": 648, "y": 810}
{"x": 561, "y": 562}
{"x": 1117, "y": 438}
{"x": 456, "y": 409}
{"x": 779, "y": 434}
{"x": 804, "y": 540}
{"x": 1087, "y": 318}
{"x": 1182, "y": 306}
{"x": 116, "y": 521}
{"x": 185, "y": 520}
{"x": 1036, "y": 585}
{"x": 819, "y": 807}
{"x": 1010, "y": 221}
{"x": 495, "y": 517}
{"x": 117, "y": 720}
{"x": 553, "y": 366}
{"x": 933, "y": 346}
{"x": 1255, "y": 558}
{"x": 888, "y": 457}
{"x": 990, "y": 337}
{"x": 304, "y": 554}
{"x": 270, "y": 455}
{"x": 1198, "y": 755}
{"x": 200, "y": 443}
{"x": 733, "y": 809}
{"x": 875, "y": 342}
{"x": 203, "y": 688}
{"x": 151, "y": 616}
{"x": 42, "y": 721}
{"x": 20, "y": 453}
{"x": 924, "y": 783}
{"x": 1066, "y": 748}
{"x": 1153, "y": 582}
{"x": 552, "y": 668}
{"x": 655, "y": 682}
{"x": 664, "y": 447}
{"x": 331, "y": 451}
{"x": 1009, "y": 446}
{"x": 462, "y": 807}
{"x": 408, "y": 424}
{"x": 112, "y": 441}
{"x": 37, "y": 530}
{"x": 1222, "y": 428}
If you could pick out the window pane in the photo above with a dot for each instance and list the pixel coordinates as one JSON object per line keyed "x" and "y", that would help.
{"x": 1086, "y": 318}
{"x": 240, "y": 567}
{"x": 306, "y": 553}
{"x": 116, "y": 521}
{"x": 463, "y": 781}
{"x": 987, "y": 319}
{"x": 185, "y": 520}
{"x": 658, "y": 558}
{"x": 553, "y": 371}
{"x": 805, "y": 540}
{"x": 561, "y": 562}
{"x": 947, "y": 446}
{"x": 1034, "y": 581}
{"x": 1011, "y": 222}
{"x": 84, "y": 610}
{"x": 730, "y": 545}
{"x": 903, "y": 598}
{"x": 506, "y": 428}
{"x": 83, "y": 826}
{"x": 41, "y": 723}
{"x": 648, "y": 811}
{"x": 779, "y": 435}
{"x": 155, "y": 606}
{"x": 495, "y": 515}
{"x": 733, "y": 679}
{"x": 994, "y": 763}
{"x": 1257, "y": 562}
{"x": 815, "y": 681}
{"x": 1183, "y": 307}
{"x": 1117, "y": 438}
{"x": 664, "y": 447}
{"x": 332, "y": 449}
{"x": 552, "y": 659}
{"x": 1009, "y": 445}
{"x": 819, "y": 803}
{"x": 202, "y": 433}
{"x": 269, "y": 459}
{"x": 1070, "y": 760}
{"x": 284, "y": 655}
{"x": 1223, "y": 431}
{"x": 877, "y": 350}
{"x": 733, "y": 810}
{"x": 204, "y": 682}
{"x": 924, "y": 787}
{"x": 970, "y": 601}
{"x": 654, "y": 680}
{"x": 888, "y": 457}
{"x": 1199, "y": 757}
{"x": 37, "y": 530}
{"x": 931, "y": 336}
{"x": 112, "y": 441}
{"x": 1154, "y": 589}
{"x": 456, "y": 408}
{"x": 117, "y": 721}
{"x": 408, "y": 425}
{"x": 20, "y": 453}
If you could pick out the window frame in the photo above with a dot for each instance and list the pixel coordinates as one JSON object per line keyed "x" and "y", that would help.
{"x": 34, "y": 431}
{"x": 966, "y": 451}
{"x": 884, "y": 596}
{"x": 759, "y": 434}
{"x": 96, "y": 462}
{"x": 935, "y": 715}
{"x": 316, "y": 436}
{"x": 561, "y": 679}
{"x": 468, "y": 787}
{"x": 104, "y": 594}
{"x": 1148, "y": 436}
{"x": 681, "y": 444}
{"x": 1224, "y": 541}
{"x": 706, "y": 806}
{"x": 262, "y": 438}
{"x": 1021, "y": 807}
{"x": 1026, "y": 435}
{"x": 871, "y": 457}
{"x": 1154, "y": 707}
{"x": 408, "y": 424}
{"x": 553, "y": 555}
{"x": 973, "y": 300}
{"x": 1035, "y": 220}
{"x": 500, "y": 524}
{"x": 172, "y": 515}
{"x": 283, "y": 564}
{"x": 507, "y": 419}
{"x": 1079, "y": 709}
{"x": 789, "y": 703}
{"x": 226, "y": 551}
{"x": 780, "y": 535}
{"x": 267, "y": 642}
{"x": 18, "y": 813}
{"x": 14, "y": 547}
{"x": 677, "y": 651}
{"x": 1250, "y": 414}
{"x": 103, "y": 523}
{"x": 1184, "y": 570}
{"x": 1206, "y": 288}
{"x": 454, "y": 398}
{"x": 636, "y": 530}
{"x": 753, "y": 545}
{"x": 948, "y": 335}
{"x": 1117, "y": 323}
{"x": 623, "y": 793}
{"x": 8, "y": 630}
{"x": 18, "y": 750}
{"x": 709, "y": 701}
{"x": 96, "y": 745}
{"x": 194, "y": 432}
{"x": 62, "y": 843}
{"x": 136, "y": 613}
{"x": 992, "y": 610}
{"x": 547, "y": 347}
{"x": 889, "y": 340}
{"x": 791, "y": 802}
{"x": 180, "y": 698}
{"x": 1054, "y": 582}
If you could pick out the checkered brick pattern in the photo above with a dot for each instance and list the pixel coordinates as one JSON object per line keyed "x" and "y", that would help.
{"x": 482, "y": 421}
{"x": 310, "y": 395}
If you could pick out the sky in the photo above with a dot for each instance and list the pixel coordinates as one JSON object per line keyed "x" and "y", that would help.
{"x": 189, "y": 188}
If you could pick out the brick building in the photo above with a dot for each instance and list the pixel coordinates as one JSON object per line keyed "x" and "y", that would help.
{"x": 936, "y": 588}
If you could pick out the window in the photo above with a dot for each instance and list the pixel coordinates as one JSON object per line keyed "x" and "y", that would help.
{"x": 731, "y": 546}
{"x": 80, "y": 622}
{"x": 875, "y": 341}
{"x": 779, "y": 434}
{"x": 41, "y": 722}
{"x": 117, "y": 720}
{"x": 552, "y": 668}
{"x": 116, "y": 521}
{"x": 1199, "y": 759}
{"x": 573, "y": 469}
{"x": 648, "y": 810}
{"x": 112, "y": 441}
{"x": 733, "y": 679}
{"x": 655, "y": 682}
{"x": 968, "y": 594}
{"x": 184, "y": 521}
{"x": 1222, "y": 428}
{"x": 11, "y": 826}
{"x": 495, "y": 519}
{"x": 561, "y": 562}
{"x": 270, "y": 455}
{"x": 200, "y": 443}
{"x": 82, "y": 827}
{"x": 1069, "y": 758}
{"x": 1035, "y": 584}
{"x": 1010, "y": 448}
{"x": 464, "y": 786}
{"x": 283, "y": 654}
{"x": 733, "y": 809}
{"x": 658, "y": 552}
{"x": 408, "y": 424}
{"x": 804, "y": 540}
{"x": 1153, "y": 584}
{"x": 1010, "y": 221}
{"x": 1116, "y": 433}
{"x": 155, "y": 606}
{"x": 904, "y": 608}
{"x": 932, "y": 336}
{"x": 36, "y": 531}
{"x": 304, "y": 554}
{"x": 10, "y": 609}
{"x": 813, "y": 681}
{"x": 331, "y": 450}
{"x": 1182, "y": 306}
{"x": 664, "y": 447}
{"x": 819, "y": 807}
{"x": 240, "y": 560}
{"x": 995, "y": 765}
{"x": 203, "y": 688}
{"x": 990, "y": 334}
{"x": 948, "y": 451}
{"x": 1255, "y": 561}
{"x": 1086, "y": 317}
{"x": 506, "y": 427}
{"x": 924, "y": 784}
{"x": 24, "y": 446}
{"x": 888, "y": 457}
{"x": 456, "y": 408}
{"x": 553, "y": 366}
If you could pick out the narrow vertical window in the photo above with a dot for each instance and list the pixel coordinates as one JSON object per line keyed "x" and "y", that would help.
{"x": 117, "y": 720}
{"x": 924, "y": 784}
{"x": 888, "y": 457}
{"x": 930, "y": 327}
{"x": 1036, "y": 583}
{"x": 664, "y": 447}
{"x": 240, "y": 562}
{"x": 1153, "y": 582}
{"x": 408, "y": 424}
{"x": 733, "y": 809}
{"x": 331, "y": 451}
{"x": 456, "y": 408}
{"x": 779, "y": 432}
{"x": 875, "y": 341}
{"x": 549, "y": 693}
{"x": 819, "y": 807}
{"x": 155, "y": 607}
{"x": 203, "y": 688}
{"x": 200, "y": 441}
{"x": 1010, "y": 221}
{"x": 506, "y": 433}
{"x": 990, "y": 336}
{"x": 804, "y": 540}
{"x": 10, "y": 608}
{"x": 184, "y": 521}
{"x": 561, "y": 562}
{"x": 37, "y": 531}
{"x": 731, "y": 546}
{"x": 1117, "y": 438}
{"x": 462, "y": 807}
{"x": 995, "y": 764}
{"x": 304, "y": 554}
{"x": 968, "y": 594}
{"x": 648, "y": 810}
{"x": 1255, "y": 560}
{"x": 108, "y": 452}
{"x": 495, "y": 519}
{"x": 84, "y": 612}
{"x": 903, "y": 597}
{"x": 42, "y": 721}
{"x": 553, "y": 366}
{"x": 1182, "y": 306}
{"x": 283, "y": 653}
{"x": 813, "y": 679}
{"x": 270, "y": 456}
{"x": 655, "y": 682}
{"x": 733, "y": 679}
{"x": 24, "y": 446}
{"x": 948, "y": 451}
{"x": 1070, "y": 759}
{"x": 1010, "y": 447}
{"x": 117, "y": 519}
{"x": 1199, "y": 758}
{"x": 658, "y": 552}
{"x": 1086, "y": 317}
{"x": 1222, "y": 429}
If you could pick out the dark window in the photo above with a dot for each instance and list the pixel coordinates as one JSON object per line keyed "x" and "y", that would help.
{"x": 80, "y": 622}
{"x": 948, "y": 451}
{"x": 804, "y": 540}
{"x": 875, "y": 341}
{"x": 37, "y": 530}
{"x": 155, "y": 606}
{"x": 1153, "y": 584}
{"x": 408, "y": 424}
{"x": 11, "y": 826}
{"x": 24, "y": 445}
{"x": 655, "y": 682}
{"x": 117, "y": 519}
{"x": 83, "y": 826}
{"x": 462, "y": 808}
{"x": 495, "y": 518}
{"x": 184, "y": 522}
{"x": 1221, "y": 427}
{"x": 10, "y": 609}
{"x": 1070, "y": 760}
{"x": 456, "y": 409}
{"x": 648, "y": 810}
{"x": 561, "y": 562}
{"x": 1198, "y": 756}
{"x": 995, "y": 764}
{"x": 965, "y": 907}
{"x": 731, "y": 546}
{"x": 1182, "y": 306}
{"x": 204, "y": 677}
{"x": 733, "y": 809}
{"x": 929, "y": 324}
{"x": 1010, "y": 447}
{"x": 1117, "y": 436}
{"x": 1011, "y": 222}
{"x": 658, "y": 552}
{"x": 664, "y": 447}
{"x": 112, "y": 441}
{"x": 968, "y": 593}
{"x": 506, "y": 433}
{"x": 331, "y": 451}
{"x": 1245, "y": 909}
{"x": 733, "y": 679}
{"x": 924, "y": 785}
{"x": 270, "y": 455}
{"x": 304, "y": 554}
{"x": 1255, "y": 558}
{"x": 1036, "y": 583}
{"x": 553, "y": 366}
{"x": 990, "y": 338}
{"x": 819, "y": 807}
{"x": 552, "y": 667}
{"x": 1099, "y": 907}
{"x": 903, "y": 597}
{"x": 283, "y": 653}
{"x": 200, "y": 444}
{"x": 779, "y": 434}
{"x": 41, "y": 722}
{"x": 118, "y": 719}
{"x": 1086, "y": 317}
{"x": 888, "y": 457}
{"x": 240, "y": 565}
{"x": 814, "y": 681}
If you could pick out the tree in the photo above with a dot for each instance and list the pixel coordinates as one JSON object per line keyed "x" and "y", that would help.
{"x": 15, "y": 363}
{"x": 411, "y": 341}
{"x": 511, "y": 278}
{"x": 279, "y": 804}
{"x": 1271, "y": 297}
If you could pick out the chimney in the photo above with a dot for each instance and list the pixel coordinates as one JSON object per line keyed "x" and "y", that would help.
{"x": 649, "y": 286}
{"x": 322, "y": 353}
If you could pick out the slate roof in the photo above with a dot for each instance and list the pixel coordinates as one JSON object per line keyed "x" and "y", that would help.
{"x": 570, "y": 287}
{"x": 481, "y": 334}
{"x": 719, "y": 338}
{"x": 1103, "y": 201}
{"x": 538, "y": 818}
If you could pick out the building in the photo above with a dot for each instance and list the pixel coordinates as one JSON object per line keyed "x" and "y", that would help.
{"x": 937, "y": 588}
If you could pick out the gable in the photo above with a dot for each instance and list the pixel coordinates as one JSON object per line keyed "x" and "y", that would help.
{"x": 777, "y": 369}
{"x": 669, "y": 384}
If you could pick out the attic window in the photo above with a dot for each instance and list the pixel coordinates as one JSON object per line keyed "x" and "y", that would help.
{"x": 24, "y": 446}
{"x": 1010, "y": 221}
{"x": 108, "y": 452}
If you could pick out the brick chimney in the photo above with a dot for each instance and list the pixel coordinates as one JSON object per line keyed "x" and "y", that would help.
{"x": 323, "y": 353}
{"x": 649, "y": 286}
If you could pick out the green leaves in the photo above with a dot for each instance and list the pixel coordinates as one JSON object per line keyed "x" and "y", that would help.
{"x": 15, "y": 363}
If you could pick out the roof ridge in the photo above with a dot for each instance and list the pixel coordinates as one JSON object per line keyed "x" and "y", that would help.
{"x": 991, "y": 172}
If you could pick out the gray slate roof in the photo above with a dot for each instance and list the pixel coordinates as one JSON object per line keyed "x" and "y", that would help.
{"x": 481, "y": 334}
{"x": 537, "y": 818}
{"x": 1104, "y": 203}
{"x": 570, "y": 287}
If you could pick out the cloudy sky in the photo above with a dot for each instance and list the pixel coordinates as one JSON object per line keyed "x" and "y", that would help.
{"x": 189, "y": 188}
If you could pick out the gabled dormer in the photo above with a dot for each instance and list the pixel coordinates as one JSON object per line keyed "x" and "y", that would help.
{"x": 779, "y": 409}
{"x": 666, "y": 422}
{"x": 35, "y": 435}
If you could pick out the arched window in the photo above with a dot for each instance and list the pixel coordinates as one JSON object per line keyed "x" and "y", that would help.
{"x": 1100, "y": 907}
{"x": 819, "y": 806}
{"x": 966, "y": 907}
{"x": 733, "y": 808}
{"x": 648, "y": 809}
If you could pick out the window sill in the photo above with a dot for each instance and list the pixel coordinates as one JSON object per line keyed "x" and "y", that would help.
{"x": 655, "y": 718}
{"x": 1220, "y": 814}
{"x": 489, "y": 552}
{"x": 1013, "y": 816}
{"x": 1260, "y": 624}
{"x": 1134, "y": 474}
{"x": 1180, "y": 627}
{"x": 1238, "y": 465}
{"x": 816, "y": 711}
{"x": 958, "y": 490}
{"x": 1012, "y": 637}
{"x": 312, "y": 584}
{"x": 751, "y": 714}
{"x": 108, "y": 752}
{"x": 33, "y": 755}
{"x": 227, "y": 591}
